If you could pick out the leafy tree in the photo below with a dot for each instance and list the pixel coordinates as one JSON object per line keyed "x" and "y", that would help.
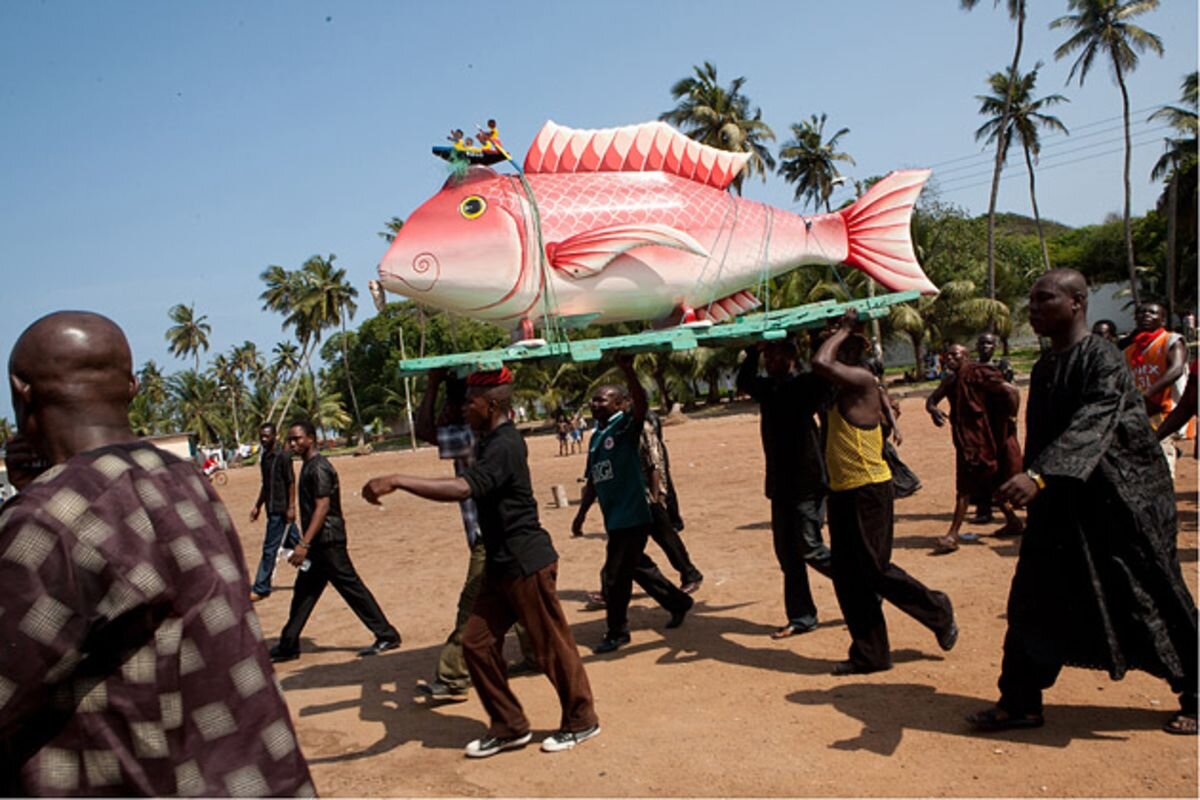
{"x": 722, "y": 117}
{"x": 1014, "y": 113}
{"x": 197, "y": 407}
{"x": 6, "y": 430}
{"x": 1103, "y": 28}
{"x": 327, "y": 299}
{"x": 1016, "y": 12}
{"x": 1178, "y": 166}
{"x": 189, "y": 334}
{"x": 809, "y": 161}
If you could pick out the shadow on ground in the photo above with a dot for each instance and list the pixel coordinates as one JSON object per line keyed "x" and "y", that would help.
{"x": 887, "y": 710}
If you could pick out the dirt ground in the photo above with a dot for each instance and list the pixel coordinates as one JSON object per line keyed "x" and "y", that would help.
{"x": 714, "y": 708}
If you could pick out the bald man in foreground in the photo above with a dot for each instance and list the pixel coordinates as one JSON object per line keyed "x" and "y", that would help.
{"x": 1098, "y": 582}
{"x": 132, "y": 661}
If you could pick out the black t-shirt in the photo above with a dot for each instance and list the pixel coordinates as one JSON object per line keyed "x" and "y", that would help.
{"x": 514, "y": 539}
{"x": 277, "y": 477}
{"x": 318, "y": 478}
{"x": 790, "y": 437}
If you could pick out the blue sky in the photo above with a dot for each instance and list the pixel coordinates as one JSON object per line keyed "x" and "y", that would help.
{"x": 155, "y": 153}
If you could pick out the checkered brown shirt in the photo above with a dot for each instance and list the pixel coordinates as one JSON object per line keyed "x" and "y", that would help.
{"x": 130, "y": 659}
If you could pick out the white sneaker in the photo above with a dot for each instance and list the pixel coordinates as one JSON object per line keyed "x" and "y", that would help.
{"x": 490, "y": 745}
{"x": 565, "y": 740}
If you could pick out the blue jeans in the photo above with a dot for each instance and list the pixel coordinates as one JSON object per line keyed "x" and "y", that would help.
{"x": 276, "y": 525}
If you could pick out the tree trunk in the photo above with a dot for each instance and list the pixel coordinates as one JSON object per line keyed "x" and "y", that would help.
{"x": 1001, "y": 146}
{"x": 1133, "y": 284}
{"x": 350, "y": 379}
{"x": 1172, "y": 227}
{"x": 300, "y": 368}
{"x": 918, "y": 356}
{"x": 1037, "y": 219}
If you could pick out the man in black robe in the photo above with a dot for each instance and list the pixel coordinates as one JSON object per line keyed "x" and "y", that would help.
{"x": 1098, "y": 582}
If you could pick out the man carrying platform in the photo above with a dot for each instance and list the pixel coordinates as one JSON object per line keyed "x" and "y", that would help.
{"x": 520, "y": 576}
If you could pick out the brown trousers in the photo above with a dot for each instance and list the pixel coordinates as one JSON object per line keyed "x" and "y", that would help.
{"x": 531, "y": 600}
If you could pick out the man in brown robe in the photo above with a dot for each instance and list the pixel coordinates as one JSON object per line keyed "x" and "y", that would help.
{"x": 133, "y": 663}
{"x": 983, "y": 408}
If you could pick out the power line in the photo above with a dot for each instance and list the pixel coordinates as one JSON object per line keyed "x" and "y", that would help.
{"x": 1053, "y": 134}
{"x": 1013, "y": 172}
{"x": 1152, "y": 132}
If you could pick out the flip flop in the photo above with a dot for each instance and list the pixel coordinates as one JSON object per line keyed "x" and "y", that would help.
{"x": 1181, "y": 724}
{"x": 997, "y": 719}
{"x": 969, "y": 538}
{"x": 791, "y": 629}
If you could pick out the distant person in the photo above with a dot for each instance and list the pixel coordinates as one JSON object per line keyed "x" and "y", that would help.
{"x": 795, "y": 480}
{"x": 278, "y": 494}
{"x": 456, "y": 442}
{"x": 616, "y": 480}
{"x": 1158, "y": 360}
{"x": 985, "y": 352}
{"x": 861, "y": 513}
{"x": 520, "y": 577}
{"x": 983, "y": 409}
{"x": 133, "y": 663}
{"x": 323, "y": 545}
{"x": 562, "y": 430}
{"x": 1098, "y": 581}
{"x": 1106, "y": 329}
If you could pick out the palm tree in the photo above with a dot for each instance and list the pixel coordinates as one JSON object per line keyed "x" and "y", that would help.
{"x": 197, "y": 407}
{"x": 283, "y": 294}
{"x": 225, "y": 370}
{"x": 1016, "y": 12}
{"x": 1178, "y": 165}
{"x": 722, "y": 118}
{"x": 327, "y": 300}
{"x": 810, "y": 162}
{"x": 189, "y": 334}
{"x": 393, "y": 226}
{"x": 1015, "y": 113}
{"x": 1102, "y": 27}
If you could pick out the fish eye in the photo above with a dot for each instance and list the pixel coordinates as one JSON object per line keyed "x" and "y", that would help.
{"x": 472, "y": 207}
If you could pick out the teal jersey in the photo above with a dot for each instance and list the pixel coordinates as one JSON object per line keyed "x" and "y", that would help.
{"x": 615, "y": 469}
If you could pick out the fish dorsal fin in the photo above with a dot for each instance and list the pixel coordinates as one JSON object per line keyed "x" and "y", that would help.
{"x": 649, "y": 147}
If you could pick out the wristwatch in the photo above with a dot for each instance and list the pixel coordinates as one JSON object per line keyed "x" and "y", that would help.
{"x": 1036, "y": 478}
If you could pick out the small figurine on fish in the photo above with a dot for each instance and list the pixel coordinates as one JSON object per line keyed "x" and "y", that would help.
{"x": 633, "y": 223}
{"x": 463, "y": 152}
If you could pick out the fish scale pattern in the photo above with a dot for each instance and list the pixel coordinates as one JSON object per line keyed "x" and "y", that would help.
{"x": 570, "y": 204}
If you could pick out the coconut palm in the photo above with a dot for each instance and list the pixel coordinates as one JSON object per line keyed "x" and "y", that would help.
{"x": 1015, "y": 113}
{"x": 327, "y": 299}
{"x": 225, "y": 370}
{"x": 1016, "y": 12}
{"x": 1103, "y": 28}
{"x": 1178, "y": 165}
{"x": 393, "y": 226}
{"x": 197, "y": 406}
{"x": 809, "y": 161}
{"x": 189, "y": 334}
{"x": 722, "y": 117}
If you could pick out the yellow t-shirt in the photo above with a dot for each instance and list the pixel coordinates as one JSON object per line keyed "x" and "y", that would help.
{"x": 854, "y": 455}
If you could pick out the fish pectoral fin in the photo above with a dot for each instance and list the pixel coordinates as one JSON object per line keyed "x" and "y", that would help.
{"x": 588, "y": 253}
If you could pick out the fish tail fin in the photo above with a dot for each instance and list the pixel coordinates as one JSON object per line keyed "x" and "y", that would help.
{"x": 877, "y": 229}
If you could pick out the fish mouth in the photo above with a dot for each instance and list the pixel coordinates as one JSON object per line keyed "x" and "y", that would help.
{"x": 422, "y": 273}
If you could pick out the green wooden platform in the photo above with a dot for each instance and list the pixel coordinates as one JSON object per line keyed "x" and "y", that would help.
{"x": 738, "y": 333}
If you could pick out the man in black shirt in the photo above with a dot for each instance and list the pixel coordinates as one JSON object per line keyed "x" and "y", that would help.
{"x": 323, "y": 546}
{"x": 278, "y": 494}
{"x": 795, "y": 479}
{"x": 519, "y": 580}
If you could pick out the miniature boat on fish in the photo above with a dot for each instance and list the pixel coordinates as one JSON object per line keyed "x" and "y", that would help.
{"x": 631, "y": 223}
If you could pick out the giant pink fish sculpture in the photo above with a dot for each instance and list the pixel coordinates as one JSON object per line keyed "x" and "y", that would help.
{"x": 631, "y": 223}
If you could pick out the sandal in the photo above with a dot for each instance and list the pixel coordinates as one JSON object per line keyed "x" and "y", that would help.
{"x": 1181, "y": 724}
{"x": 997, "y": 719}
{"x": 945, "y": 545}
{"x": 792, "y": 629}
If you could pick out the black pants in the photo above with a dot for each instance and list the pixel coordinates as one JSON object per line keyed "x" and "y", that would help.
{"x": 625, "y": 562}
{"x": 1023, "y": 678}
{"x": 796, "y": 530}
{"x": 332, "y": 564}
{"x": 668, "y": 539}
{"x": 860, "y": 529}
